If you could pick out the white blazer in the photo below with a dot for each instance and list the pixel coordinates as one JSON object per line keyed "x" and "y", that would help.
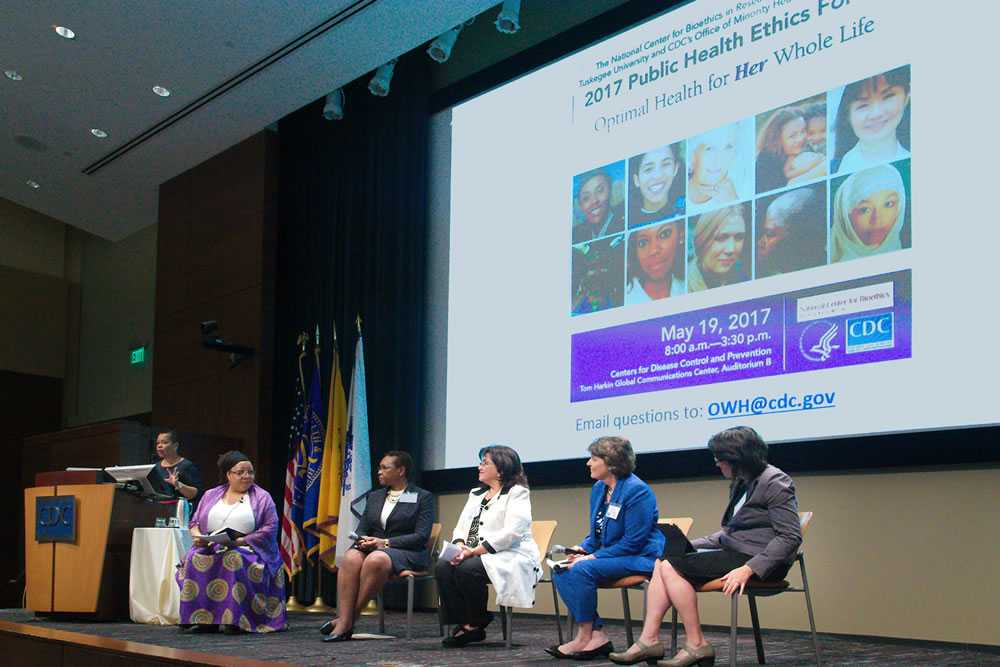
{"x": 515, "y": 568}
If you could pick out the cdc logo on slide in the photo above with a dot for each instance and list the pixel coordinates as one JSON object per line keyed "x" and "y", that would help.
{"x": 869, "y": 333}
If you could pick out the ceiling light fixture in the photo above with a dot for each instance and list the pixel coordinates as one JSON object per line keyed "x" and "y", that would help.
{"x": 99, "y": 133}
{"x": 333, "y": 106}
{"x": 64, "y": 32}
{"x": 161, "y": 91}
{"x": 440, "y": 48}
{"x": 379, "y": 85}
{"x": 34, "y": 185}
{"x": 13, "y": 75}
{"x": 509, "y": 19}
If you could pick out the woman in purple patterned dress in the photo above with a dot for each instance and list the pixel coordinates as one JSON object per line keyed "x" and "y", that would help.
{"x": 239, "y": 587}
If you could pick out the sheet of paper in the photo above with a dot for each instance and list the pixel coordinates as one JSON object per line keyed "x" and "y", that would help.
{"x": 449, "y": 550}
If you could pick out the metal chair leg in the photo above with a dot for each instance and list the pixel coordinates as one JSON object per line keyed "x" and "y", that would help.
{"x": 509, "y": 614}
{"x": 809, "y": 607}
{"x": 381, "y": 613}
{"x": 441, "y": 623}
{"x": 503, "y": 622}
{"x": 409, "y": 608}
{"x": 756, "y": 628}
{"x": 734, "y": 619}
{"x": 673, "y": 631}
{"x": 555, "y": 605}
{"x": 628, "y": 617}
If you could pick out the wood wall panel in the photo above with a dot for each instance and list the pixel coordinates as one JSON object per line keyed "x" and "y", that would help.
{"x": 215, "y": 262}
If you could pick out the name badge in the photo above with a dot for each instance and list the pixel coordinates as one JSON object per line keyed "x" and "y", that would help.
{"x": 613, "y": 511}
{"x": 408, "y": 497}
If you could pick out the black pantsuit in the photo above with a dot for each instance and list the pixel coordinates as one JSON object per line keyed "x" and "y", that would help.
{"x": 463, "y": 592}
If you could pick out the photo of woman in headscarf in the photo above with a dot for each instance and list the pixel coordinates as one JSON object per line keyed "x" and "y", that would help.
{"x": 655, "y": 262}
{"x": 720, "y": 167}
{"x": 656, "y": 185}
{"x": 870, "y": 216}
{"x": 599, "y": 203}
{"x": 784, "y": 154}
{"x": 721, "y": 252}
{"x": 791, "y": 231}
{"x": 873, "y": 121}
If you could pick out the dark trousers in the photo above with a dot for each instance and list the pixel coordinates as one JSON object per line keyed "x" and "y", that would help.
{"x": 463, "y": 592}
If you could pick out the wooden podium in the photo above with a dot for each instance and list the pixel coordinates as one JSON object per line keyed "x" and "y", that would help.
{"x": 90, "y": 576}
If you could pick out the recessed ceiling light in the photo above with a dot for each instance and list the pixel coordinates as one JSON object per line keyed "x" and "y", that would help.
{"x": 99, "y": 133}
{"x": 161, "y": 91}
{"x": 34, "y": 185}
{"x": 12, "y": 75}
{"x": 64, "y": 32}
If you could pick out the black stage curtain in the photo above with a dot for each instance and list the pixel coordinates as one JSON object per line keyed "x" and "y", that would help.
{"x": 351, "y": 241}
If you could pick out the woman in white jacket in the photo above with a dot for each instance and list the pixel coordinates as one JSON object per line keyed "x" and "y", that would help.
{"x": 496, "y": 547}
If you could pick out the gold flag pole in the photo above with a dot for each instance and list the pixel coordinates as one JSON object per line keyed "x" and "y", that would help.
{"x": 318, "y": 606}
{"x": 293, "y": 604}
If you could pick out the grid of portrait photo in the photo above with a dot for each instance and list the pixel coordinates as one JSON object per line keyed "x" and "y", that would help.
{"x": 820, "y": 180}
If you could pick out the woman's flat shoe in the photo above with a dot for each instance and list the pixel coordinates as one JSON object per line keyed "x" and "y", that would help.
{"x": 687, "y": 656}
{"x": 645, "y": 653}
{"x": 464, "y": 638}
{"x": 604, "y": 649}
{"x": 342, "y": 637}
{"x": 556, "y": 653}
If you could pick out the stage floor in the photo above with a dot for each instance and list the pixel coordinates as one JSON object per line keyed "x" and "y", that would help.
{"x": 301, "y": 644}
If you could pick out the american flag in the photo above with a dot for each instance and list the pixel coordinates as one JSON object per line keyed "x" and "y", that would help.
{"x": 291, "y": 534}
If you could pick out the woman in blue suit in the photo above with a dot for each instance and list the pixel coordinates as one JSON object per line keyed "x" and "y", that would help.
{"x": 623, "y": 541}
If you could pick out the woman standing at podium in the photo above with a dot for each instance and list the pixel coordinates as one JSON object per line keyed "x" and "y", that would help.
{"x": 179, "y": 476}
{"x": 239, "y": 587}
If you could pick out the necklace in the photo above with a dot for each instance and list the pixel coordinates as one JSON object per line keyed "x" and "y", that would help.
{"x": 393, "y": 496}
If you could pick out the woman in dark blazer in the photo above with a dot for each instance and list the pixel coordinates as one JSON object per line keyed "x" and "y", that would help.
{"x": 759, "y": 539}
{"x": 393, "y": 535}
{"x": 623, "y": 540}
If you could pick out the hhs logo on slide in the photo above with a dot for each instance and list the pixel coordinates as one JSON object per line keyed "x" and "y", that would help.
{"x": 873, "y": 332}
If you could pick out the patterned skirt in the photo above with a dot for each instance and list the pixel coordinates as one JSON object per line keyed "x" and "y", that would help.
{"x": 221, "y": 586}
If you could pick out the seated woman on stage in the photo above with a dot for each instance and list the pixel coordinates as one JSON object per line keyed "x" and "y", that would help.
{"x": 180, "y": 477}
{"x": 240, "y": 586}
{"x": 393, "y": 534}
{"x": 623, "y": 540}
{"x": 494, "y": 535}
{"x": 760, "y": 537}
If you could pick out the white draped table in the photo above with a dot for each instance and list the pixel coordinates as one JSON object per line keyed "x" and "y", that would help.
{"x": 154, "y": 596}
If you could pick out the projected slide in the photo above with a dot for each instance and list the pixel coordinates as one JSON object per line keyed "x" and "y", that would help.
{"x": 753, "y": 211}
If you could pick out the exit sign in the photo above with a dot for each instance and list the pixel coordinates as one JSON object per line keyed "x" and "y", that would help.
{"x": 137, "y": 356}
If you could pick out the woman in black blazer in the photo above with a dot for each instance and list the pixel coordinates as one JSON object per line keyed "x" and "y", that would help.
{"x": 393, "y": 535}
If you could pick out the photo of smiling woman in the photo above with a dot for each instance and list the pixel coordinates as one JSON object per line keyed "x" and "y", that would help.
{"x": 721, "y": 248}
{"x": 655, "y": 263}
{"x": 785, "y": 154}
{"x": 720, "y": 169}
{"x": 599, "y": 202}
{"x": 656, "y": 185}
{"x": 873, "y": 121}
{"x": 870, "y": 215}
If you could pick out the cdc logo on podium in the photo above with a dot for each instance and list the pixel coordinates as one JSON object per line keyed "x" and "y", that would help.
{"x": 55, "y": 519}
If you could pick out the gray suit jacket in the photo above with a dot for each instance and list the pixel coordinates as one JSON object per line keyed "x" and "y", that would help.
{"x": 766, "y": 527}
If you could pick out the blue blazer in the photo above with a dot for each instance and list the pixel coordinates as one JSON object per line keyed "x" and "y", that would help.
{"x": 633, "y": 534}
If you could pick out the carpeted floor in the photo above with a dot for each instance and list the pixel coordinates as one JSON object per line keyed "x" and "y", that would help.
{"x": 301, "y": 644}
